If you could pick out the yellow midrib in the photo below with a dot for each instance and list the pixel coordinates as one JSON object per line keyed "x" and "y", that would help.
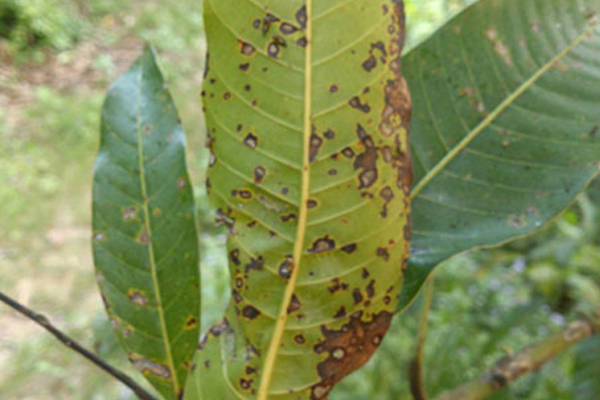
{"x": 448, "y": 158}
{"x": 144, "y": 190}
{"x": 269, "y": 362}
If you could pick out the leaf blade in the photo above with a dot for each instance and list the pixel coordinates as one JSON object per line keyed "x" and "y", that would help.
{"x": 144, "y": 227}
{"x": 489, "y": 53}
{"x": 315, "y": 245}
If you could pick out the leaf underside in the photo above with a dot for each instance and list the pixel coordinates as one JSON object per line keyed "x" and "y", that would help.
{"x": 145, "y": 239}
{"x": 307, "y": 115}
{"x": 506, "y": 129}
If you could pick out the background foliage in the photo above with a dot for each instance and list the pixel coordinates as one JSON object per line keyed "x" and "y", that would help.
{"x": 56, "y": 58}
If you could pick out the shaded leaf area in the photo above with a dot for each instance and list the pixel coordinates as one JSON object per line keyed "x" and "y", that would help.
{"x": 587, "y": 370}
{"x": 145, "y": 239}
{"x": 506, "y": 130}
{"x": 310, "y": 170}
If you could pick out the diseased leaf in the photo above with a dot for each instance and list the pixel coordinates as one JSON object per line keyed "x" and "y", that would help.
{"x": 145, "y": 239}
{"x": 307, "y": 114}
{"x": 506, "y": 131}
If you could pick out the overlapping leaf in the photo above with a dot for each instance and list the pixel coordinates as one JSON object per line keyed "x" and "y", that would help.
{"x": 506, "y": 129}
{"x": 307, "y": 113}
{"x": 145, "y": 239}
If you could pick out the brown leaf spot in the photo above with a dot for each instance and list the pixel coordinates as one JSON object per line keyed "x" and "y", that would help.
{"x": 129, "y": 213}
{"x": 349, "y": 248}
{"x": 288, "y": 29}
{"x": 371, "y": 289}
{"x": 357, "y": 104}
{"x": 190, "y": 323}
{"x": 273, "y": 50}
{"x": 341, "y": 313}
{"x": 246, "y": 48}
{"x": 348, "y": 152}
{"x": 387, "y": 194}
{"x": 357, "y": 295}
{"x": 251, "y": 141}
{"x": 322, "y": 245}
{"x": 259, "y": 174}
{"x": 149, "y": 367}
{"x": 302, "y": 42}
{"x": 250, "y": 312}
{"x": 286, "y": 268}
{"x": 246, "y": 384}
{"x": 299, "y": 338}
{"x": 234, "y": 256}
{"x": 370, "y": 64}
{"x": 289, "y": 217}
{"x": 302, "y": 17}
{"x": 315, "y": 145}
{"x": 383, "y": 253}
{"x": 137, "y": 297}
{"x": 295, "y": 304}
{"x": 367, "y": 161}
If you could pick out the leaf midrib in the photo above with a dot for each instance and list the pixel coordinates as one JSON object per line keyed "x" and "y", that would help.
{"x": 450, "y": 156}
{"x": 147, "y": 226}
{"x": 272, "y": 352}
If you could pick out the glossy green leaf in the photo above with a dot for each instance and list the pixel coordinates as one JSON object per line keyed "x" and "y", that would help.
{"x": 506, "y": 128}
{"x": 145, "y": 239}
{"x": 307, "y": 113}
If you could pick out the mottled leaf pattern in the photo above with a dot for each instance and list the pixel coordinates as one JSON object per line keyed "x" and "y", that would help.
{"x": 145, "y": 240}
{"x": 506, "y": 129}
{"x": 307, "y": 114}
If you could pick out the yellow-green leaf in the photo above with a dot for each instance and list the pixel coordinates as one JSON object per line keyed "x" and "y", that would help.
{"x": 145, "y": 239}
{"x": 307, "y": 113}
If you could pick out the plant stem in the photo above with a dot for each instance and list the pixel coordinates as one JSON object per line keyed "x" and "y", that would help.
{"x": 415, "y": 373}
{"x": 41, "y": 320}
{"x": 531, "y": 358}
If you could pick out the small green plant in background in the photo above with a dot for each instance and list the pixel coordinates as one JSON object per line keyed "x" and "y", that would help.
{"x": 34, "y": 24}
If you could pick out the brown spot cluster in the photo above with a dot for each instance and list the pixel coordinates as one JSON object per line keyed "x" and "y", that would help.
{"x": 348, "y": 349}
{"x": 377, "y": 53}
{"x": 367, "y": 161}
{"x": 356, "y": 103}
{"x": 149, "y": 367}
{"x": 271, "y": 24}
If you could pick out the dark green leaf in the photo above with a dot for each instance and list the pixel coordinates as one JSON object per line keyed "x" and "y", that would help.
{"x": 506, "y": 129}
{"x": 586, "y": 371}
{"x": 145, "y": 239}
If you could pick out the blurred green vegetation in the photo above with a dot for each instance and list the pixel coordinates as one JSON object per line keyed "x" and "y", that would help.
{"x": 57, "y": 58}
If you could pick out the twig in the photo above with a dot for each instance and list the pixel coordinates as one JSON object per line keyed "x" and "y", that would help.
{"x": 510, "y": 368}
{"x": 41, "y": 320}
{"x": 415, "y": 369}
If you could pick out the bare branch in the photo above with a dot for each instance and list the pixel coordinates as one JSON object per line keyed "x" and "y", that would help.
{"x": 415, "y": 367}
{"x": 511, "y": 368}
{"x": 41, "y": 320}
